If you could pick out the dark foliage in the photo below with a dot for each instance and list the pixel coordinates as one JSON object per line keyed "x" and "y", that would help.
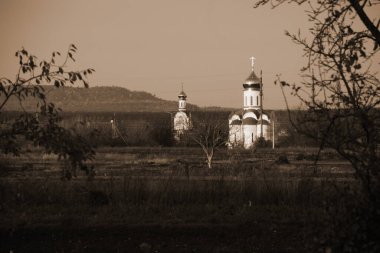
{"x": 341, "y": 94}
{"x": 42, "y": 127}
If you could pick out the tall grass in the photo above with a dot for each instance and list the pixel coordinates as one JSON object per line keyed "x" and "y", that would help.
{"x": 141, "y": 199}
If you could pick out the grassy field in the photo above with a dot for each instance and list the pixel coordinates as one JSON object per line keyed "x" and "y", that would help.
{"x": 166, "y": 200}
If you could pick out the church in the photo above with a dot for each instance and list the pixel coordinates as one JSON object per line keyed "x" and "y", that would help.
{"x": 251, "y": 123}
{"x": 182, "y": 119}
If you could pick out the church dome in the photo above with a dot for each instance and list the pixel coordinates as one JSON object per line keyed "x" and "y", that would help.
{"x": 252, "y": 81}
{"x": 249, "y": 121}
{"x": 182, "y": 94}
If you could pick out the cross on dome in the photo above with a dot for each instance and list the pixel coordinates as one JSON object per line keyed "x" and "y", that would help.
{"x": 252, "y": 61}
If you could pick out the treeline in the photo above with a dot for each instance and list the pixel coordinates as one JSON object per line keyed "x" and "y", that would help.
{"x": 135, "y": 128}
{"x": 156, "y": 128}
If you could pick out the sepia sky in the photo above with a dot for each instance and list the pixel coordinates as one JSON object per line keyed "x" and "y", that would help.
{"x": 155, "y": 46}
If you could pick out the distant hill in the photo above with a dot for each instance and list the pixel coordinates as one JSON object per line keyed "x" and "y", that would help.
{"x": 101, "y": 99}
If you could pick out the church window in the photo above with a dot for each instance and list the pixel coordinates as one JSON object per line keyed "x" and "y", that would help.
{"x": 251, "y": 100}
{"x": 257, "y": 100}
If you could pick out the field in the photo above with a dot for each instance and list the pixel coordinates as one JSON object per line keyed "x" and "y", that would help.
{"x": 166, "y": 200}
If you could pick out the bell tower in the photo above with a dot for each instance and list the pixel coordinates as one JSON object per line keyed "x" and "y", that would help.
{"x": 182, "y": 101}
{"x": 252, "y": 87}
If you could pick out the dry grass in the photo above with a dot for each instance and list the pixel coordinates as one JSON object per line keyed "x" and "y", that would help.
{"x": 165, "y": 199}
{"x": 158, "y": 184}
{"x": 165, "y": 187}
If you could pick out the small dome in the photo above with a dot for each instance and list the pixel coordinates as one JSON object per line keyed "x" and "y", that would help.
{"x": 249, "y": 121}
{"x": 182, "y": 94}
{"x": 252, "y": 81}
{"x": 236, "y": 122}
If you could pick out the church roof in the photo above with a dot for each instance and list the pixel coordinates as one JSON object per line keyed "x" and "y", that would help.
{"x": 255, "y": 111}
{"x": 249, "y": 121}
{"x": 239, "y": 113}
{"x": 265, "y": 122}
{"x": 182, "y": 112}
{"x": 252, "y": 81}
{"x": 236, "y": 122}
{"x": 264, "y": 115}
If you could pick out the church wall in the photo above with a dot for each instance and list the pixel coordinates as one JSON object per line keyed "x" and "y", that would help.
{"x": 181, "y": 121}
{"x": 266, "y": 131}
{"x": 235, "y": 135}
{"x": 182, "y": 104}
{"x": 250, "y": 135}
{"x": 251, "y": 98}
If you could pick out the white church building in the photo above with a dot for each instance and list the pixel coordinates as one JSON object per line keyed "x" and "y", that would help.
{"x": 182, "y": 119}
{"x": 250, "y": 123}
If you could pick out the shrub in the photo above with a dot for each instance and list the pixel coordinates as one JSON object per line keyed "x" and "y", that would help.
{"x": 282, "y": 159}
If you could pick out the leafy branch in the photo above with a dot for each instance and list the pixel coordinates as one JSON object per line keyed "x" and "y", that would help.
{"x": 43, "y": 128}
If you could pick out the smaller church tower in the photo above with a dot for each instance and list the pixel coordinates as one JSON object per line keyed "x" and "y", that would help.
{"x": 182, "y": 101}
{"x": 182, "y": 120}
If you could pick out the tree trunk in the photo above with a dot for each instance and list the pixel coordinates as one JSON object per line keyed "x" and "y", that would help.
{"x": 209, "y": 160}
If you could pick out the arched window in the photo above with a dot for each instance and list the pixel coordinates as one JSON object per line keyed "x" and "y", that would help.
{"x": 251, "y": 100}
{"x": 257, "y": 100}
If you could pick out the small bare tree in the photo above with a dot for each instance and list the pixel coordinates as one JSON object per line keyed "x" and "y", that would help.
{"x": 210, "y": 134}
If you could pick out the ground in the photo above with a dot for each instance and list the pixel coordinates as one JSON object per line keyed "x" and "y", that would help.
{"x": 156, "y": 238}
{"x": 166, "y": 200}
